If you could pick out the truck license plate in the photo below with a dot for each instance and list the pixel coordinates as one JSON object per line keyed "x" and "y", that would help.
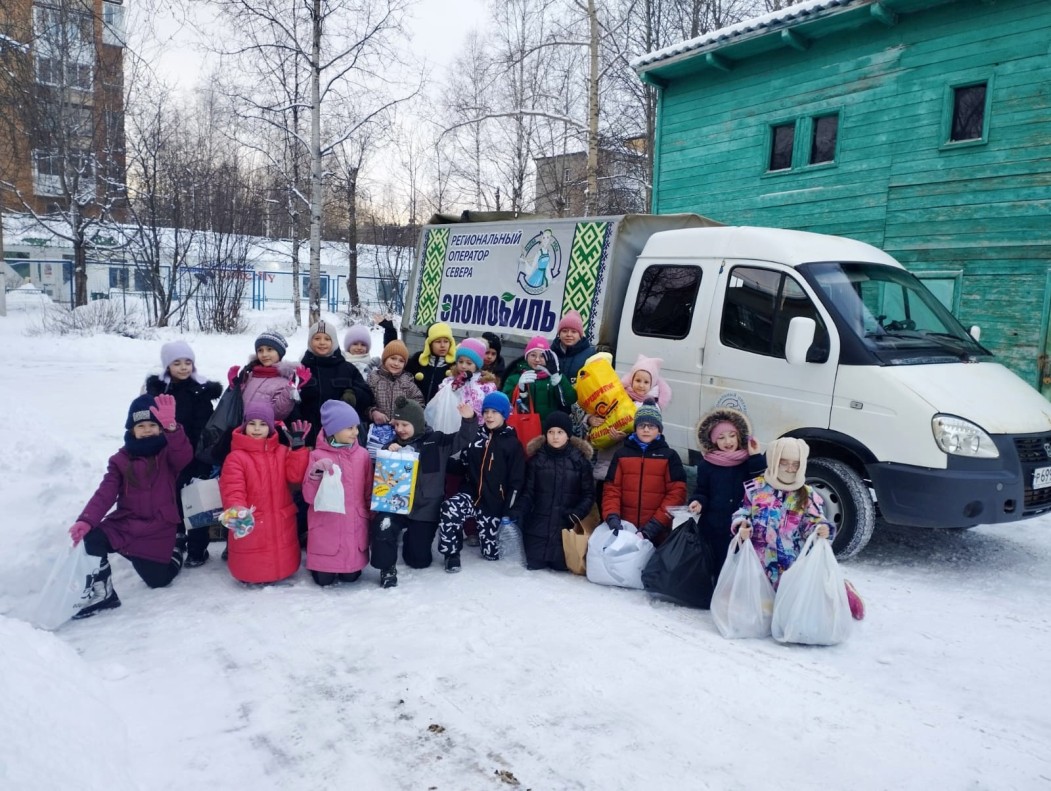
{"x": 1041, "y": 477}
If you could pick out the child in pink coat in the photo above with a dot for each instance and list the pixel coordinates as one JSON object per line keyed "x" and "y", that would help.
{"x": 269, "y": 377}
{"x": 338, "y": 544}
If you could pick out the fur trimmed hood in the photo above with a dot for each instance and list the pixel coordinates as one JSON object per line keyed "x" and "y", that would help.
{"x": 536, "y": 443}
{"x": 716, "y": 416}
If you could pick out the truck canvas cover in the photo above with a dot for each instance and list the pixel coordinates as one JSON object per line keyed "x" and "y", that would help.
{"x": 519, "y": 277}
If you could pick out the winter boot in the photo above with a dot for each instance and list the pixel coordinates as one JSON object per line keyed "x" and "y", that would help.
{"x": 193, "y": 561}
{"x": 98, "y": 592}
{"x": 857, "y": 604}
{"x": 452, "y": 563}
{"x": 389, "y": 578}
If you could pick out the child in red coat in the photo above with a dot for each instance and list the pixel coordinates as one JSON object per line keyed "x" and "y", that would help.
{"x": 256, "y": 477}
{"x": 645, "y": 478}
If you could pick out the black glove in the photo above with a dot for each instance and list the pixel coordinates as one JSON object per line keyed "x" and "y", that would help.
{"x": 651, "y": 530}
{"x": 551, "y": 362}
{"x": 613, "y": 522}
{"x": 297, "y": 436}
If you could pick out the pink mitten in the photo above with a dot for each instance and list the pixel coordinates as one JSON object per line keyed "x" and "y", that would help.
{"x": 303, "y": 374}
{"x": 164, "y": 412}
{"x": 231, "y": 375}
{"x": 320, "y": 467}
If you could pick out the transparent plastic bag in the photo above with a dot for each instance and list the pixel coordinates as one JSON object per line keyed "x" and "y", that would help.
{"x": 510, "y": 540}
{"x": 64, "y": 592}
{"x": 811, "y": 605}
{"x": 743, "y": 601}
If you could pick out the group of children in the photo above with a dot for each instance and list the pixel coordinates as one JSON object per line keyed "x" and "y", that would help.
{"x": 304, "y": 422}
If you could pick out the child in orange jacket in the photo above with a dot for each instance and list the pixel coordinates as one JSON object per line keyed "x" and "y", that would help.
{"x": 645, "y": 478}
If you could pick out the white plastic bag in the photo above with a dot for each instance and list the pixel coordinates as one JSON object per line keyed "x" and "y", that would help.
{"x": 330, "y": 497}
{"x": 618, "y": 559}
{"x": 201, "y": 503}
{"x": 441, "y": 413}
{"x": 63, "y": 594}
{"x": 743, "y": 602}
{"x": 811, "y": 605}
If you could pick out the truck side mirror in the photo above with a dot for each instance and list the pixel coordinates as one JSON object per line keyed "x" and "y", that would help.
{"x": 801, "y": 332}
{"x": 975, "y": 332}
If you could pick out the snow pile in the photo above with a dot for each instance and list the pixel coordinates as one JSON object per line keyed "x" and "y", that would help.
{"x": 492, "y": 676}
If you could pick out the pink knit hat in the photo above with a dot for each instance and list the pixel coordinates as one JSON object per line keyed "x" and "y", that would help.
{"x": 537, "y": 343}
{"x": 571, "y": 321}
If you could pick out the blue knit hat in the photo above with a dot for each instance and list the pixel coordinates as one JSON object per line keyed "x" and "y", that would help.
{"x": 275, "y": 340}
{"x": 498, "y": 402}
{"x": 139, "y": 411}
{"x": 336, "y": 416}
{"x": 649, "y": 412}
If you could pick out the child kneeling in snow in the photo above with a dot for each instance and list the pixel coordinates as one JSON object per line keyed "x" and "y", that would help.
{"x": 140, "y": 480}
{"x": 338, "y": 543}
{"x": 257, "y": 478}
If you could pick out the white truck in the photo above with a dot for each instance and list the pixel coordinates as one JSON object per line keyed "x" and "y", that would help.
{"x": 814, "y": 336}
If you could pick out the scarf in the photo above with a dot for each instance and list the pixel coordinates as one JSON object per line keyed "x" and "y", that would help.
{"x": 145, "y": 447}
{"x": 726, "y": 458}
{"x": 266, "y": 371}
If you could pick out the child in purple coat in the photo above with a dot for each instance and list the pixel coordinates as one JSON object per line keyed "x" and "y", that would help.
{"x": 338, "y": 543}
{"x": 140, "y": 480}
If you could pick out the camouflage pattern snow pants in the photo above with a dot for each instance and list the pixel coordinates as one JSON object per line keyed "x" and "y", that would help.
{"x": 454, "y": 511}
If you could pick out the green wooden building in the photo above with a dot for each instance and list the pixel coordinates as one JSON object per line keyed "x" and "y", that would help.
{"x": 920, "y": 126}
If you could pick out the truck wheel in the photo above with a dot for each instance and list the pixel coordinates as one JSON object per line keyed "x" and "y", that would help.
{"x": 848, "y": 504}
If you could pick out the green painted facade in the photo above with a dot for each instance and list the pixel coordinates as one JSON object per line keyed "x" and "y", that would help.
{"x": 971, "y": 218}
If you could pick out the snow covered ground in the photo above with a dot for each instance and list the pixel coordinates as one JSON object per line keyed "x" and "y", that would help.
{"x": 492, "y": 678}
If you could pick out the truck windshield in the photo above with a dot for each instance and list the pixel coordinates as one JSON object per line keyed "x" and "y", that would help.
{"x": 892, "y": 313}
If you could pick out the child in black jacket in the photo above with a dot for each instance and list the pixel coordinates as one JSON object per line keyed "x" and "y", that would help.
{"x": 559, "y": 485}
{"x": 332, "y": 378}
{"x": 420, "y": 524}
{"x": 193, "y": 394}
{"x": 494, "y": 475}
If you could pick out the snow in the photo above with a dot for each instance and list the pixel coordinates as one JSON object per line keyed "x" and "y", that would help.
{"x": 449, "y": 680}
{"x": 756, "y": 25}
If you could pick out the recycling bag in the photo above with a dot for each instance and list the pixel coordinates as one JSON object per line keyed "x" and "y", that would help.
{"x": 201, "y": 503}
{"x": 441, "y": 412}
{"x": 575, "y": 540}
{"x": 330, "y": 497}
{"x": 681, "y": 568}
{"x": 618, "y": 559}
{"x": 811, "y": 605}
{"x": 600, "y": 392}
{"x": 64, "y": 592}
{"x": 743, "y": 601}
{"x": 213, "y": 445}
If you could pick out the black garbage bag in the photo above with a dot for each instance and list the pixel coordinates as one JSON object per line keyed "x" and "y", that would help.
{"x": 214, "y": 443}
{"x": 681, "y": 568}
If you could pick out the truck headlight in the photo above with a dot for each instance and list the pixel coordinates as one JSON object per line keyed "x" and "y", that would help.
{"x": 960, "y": 437}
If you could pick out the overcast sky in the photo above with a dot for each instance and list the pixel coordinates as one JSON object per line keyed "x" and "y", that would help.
{"x": 438, "y": 28}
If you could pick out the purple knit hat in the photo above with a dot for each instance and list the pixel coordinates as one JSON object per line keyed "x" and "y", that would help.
{"x": 260, "y": 410}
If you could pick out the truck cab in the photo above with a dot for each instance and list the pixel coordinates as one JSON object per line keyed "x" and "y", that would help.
{"x": 833, "y": 341}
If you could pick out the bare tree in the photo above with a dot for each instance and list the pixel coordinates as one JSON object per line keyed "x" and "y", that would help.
{"x": 345, "y": 50}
